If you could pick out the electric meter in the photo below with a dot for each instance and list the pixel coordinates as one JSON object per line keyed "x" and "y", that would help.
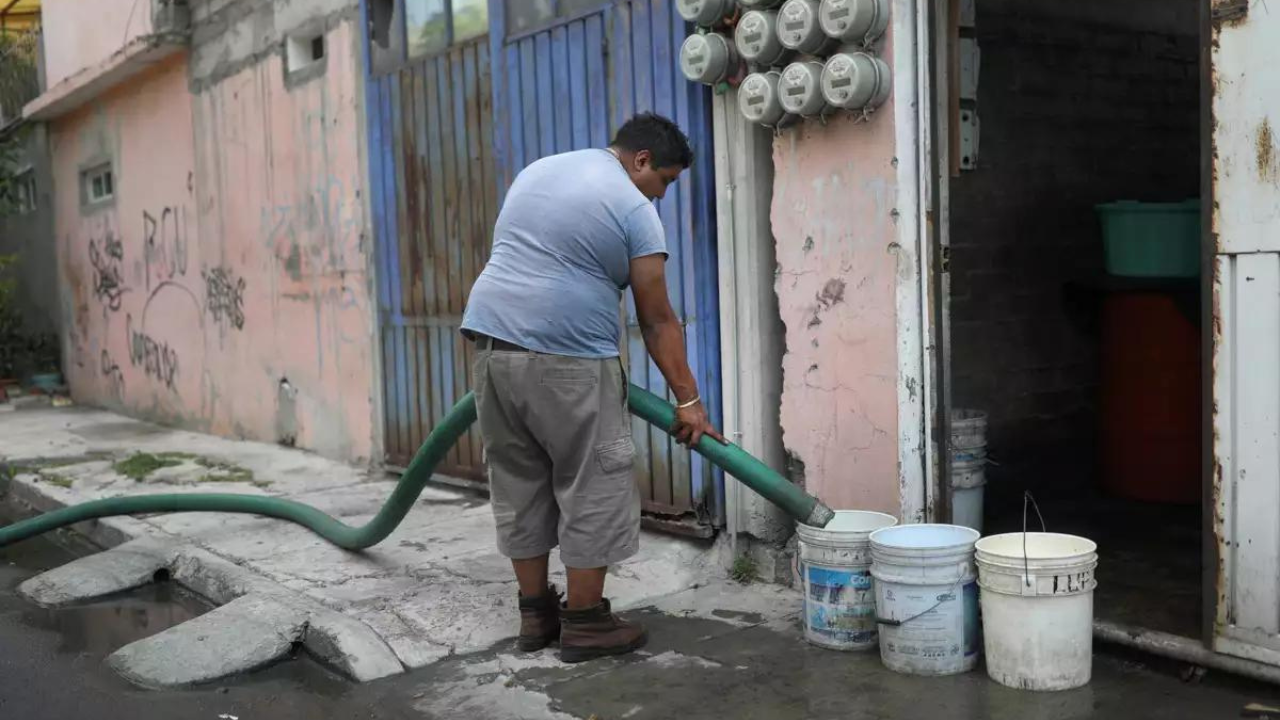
{"x": 800, "y": 89}
{"x": 799, "y": 29}
{"x": 757, "y": 38}
{"x": 854, "y": 21}
{"x": 707, "y": 59}
{"x": 758, "y": 98}
{"x": 856, "y": 81}
{"x": 704, "y": 13}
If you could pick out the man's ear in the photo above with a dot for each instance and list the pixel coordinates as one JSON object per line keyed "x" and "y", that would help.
{"x": 644, "y": 159}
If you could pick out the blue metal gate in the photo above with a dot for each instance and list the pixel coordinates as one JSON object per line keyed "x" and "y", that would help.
{"x": 433, "y": 197}
{"x": 566, "y": 74}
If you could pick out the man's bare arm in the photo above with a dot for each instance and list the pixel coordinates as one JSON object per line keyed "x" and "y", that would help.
{"x": 664, "y": 339}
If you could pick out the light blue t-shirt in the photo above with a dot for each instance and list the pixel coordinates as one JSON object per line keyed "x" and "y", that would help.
{"x": 562, "y": 251}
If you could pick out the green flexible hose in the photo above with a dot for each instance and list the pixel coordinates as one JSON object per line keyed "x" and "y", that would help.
{"x": 645, "y": 405}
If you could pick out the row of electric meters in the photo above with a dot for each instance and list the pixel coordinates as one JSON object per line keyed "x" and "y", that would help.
{"x": 811, "y": 56}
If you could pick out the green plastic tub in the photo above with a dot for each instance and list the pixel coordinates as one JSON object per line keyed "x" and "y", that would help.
{"x": 1152, "y": 240}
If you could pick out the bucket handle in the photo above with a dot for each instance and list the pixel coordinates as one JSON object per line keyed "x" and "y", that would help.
{"x": 1029, "y": 588}
{"x": 1027, "y": 577}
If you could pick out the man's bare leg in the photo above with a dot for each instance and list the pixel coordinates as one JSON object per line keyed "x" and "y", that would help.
{"x": 531, "y": 574}
{"x": 586, "y": 587}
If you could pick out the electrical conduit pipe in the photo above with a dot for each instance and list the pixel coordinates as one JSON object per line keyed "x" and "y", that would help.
{"x": 643, "y": 404}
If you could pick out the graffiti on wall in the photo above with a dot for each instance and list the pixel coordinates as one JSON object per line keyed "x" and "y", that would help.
{"x": 106, "y": 255}
{"x": 157, "y": 358}
{"x": 328, "y": 215}
{"x": 224, "y": 296}
{"x": 111, "y": 371}
{"x": 165, "y": 243}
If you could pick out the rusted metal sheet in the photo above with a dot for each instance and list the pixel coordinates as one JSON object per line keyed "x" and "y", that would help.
{"x": 434, "y": 207}
{"x": 1229, "y": 12}
{"x": 1244, "y": 238}
{"x": 1247, "y": 428}
{"x": 1246, "y": 131}
{"x": 565, "y": 87}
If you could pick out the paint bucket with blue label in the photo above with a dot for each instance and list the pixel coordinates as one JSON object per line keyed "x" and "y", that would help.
{"x": 927, "y": 598}
{"x": 839, "y": 592}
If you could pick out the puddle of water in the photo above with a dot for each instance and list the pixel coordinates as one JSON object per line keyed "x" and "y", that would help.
{"x": 108, "y": 624}
{"x": 102, "y": 626}
{"x": 99, "y": 628}
{"x": 30, "y": 557}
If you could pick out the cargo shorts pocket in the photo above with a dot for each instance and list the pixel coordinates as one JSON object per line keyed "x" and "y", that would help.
{"x": 616, "y": 456}
{"x": 568, "y": 376}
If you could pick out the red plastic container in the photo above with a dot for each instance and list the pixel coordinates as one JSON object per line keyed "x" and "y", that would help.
{"x": 1150, "y": 424}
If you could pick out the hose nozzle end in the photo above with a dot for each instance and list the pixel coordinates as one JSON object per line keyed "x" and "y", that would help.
{"x": 820, "y": 515}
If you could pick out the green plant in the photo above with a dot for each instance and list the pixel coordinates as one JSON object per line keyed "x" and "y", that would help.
{"x": 21, "y": 352}
{"x": 19, "y": 78}
{"x": 11, "y": 340}
{"x": 11, "y": 144}
{"x": 61, "y": 481}
{"x": 44, "y": 352}
{"x": 745, "y": 570}
{"x": 224, "y": 472}
{"x": 139, "y": 465}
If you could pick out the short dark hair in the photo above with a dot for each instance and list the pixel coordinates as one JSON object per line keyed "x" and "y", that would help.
{"x": 660, "y": 136}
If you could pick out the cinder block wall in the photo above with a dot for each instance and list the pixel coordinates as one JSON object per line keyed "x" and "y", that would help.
{"x": 1080, "y": 103}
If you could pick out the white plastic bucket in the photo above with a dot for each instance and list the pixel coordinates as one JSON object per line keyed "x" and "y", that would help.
{"x": 966, "y": 507}
{"x": 1037, "y": 608}
{"x": 926, "y": 598}
{"x": 967, "y": 481}
{"x": 968, "y": 435}
{"x": 839, "y": 603}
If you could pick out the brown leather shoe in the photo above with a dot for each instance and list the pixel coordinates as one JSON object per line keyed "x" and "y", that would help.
{"x": 539, "y": 620}
{"x": 596, "y": 633}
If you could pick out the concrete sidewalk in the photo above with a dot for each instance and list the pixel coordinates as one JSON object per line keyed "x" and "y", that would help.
{"x": 435, "y": 588}
{"x": 436, "y": 596}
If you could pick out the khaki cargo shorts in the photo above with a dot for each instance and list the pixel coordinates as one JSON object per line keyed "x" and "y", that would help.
{"x": 557, "y": 440}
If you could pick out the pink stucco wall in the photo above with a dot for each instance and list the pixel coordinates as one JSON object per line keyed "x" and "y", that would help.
{"x": 81, "y": 33}
{"x": 281, "y": 189}
{"x": 237, "y": 291}
{"x": 833, "y": 200}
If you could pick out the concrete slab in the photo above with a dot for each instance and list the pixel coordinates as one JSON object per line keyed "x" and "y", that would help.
{"x": 242, "y": 635}
{"x": 122, "y": 568}
{"x": 350, "y": 647}
{"x": 220, "y": 580}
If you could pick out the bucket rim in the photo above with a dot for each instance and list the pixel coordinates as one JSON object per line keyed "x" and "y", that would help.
{"x": 825, "y": 536}
{"x": 960, "y": 530}
{"x": 984, "y": 547}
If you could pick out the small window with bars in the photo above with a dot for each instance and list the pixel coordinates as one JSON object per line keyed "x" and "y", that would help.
{"x": 97, "y": 185}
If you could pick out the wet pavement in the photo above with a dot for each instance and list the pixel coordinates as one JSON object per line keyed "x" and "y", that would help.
{"x": 51, "y": 660}
{"x": 731, "y": 666}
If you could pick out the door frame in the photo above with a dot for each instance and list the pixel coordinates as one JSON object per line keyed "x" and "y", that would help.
{"x": 1239, "y": 233}
{"x": 1215, "y": 16}
{"x": 924, "y": 390}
